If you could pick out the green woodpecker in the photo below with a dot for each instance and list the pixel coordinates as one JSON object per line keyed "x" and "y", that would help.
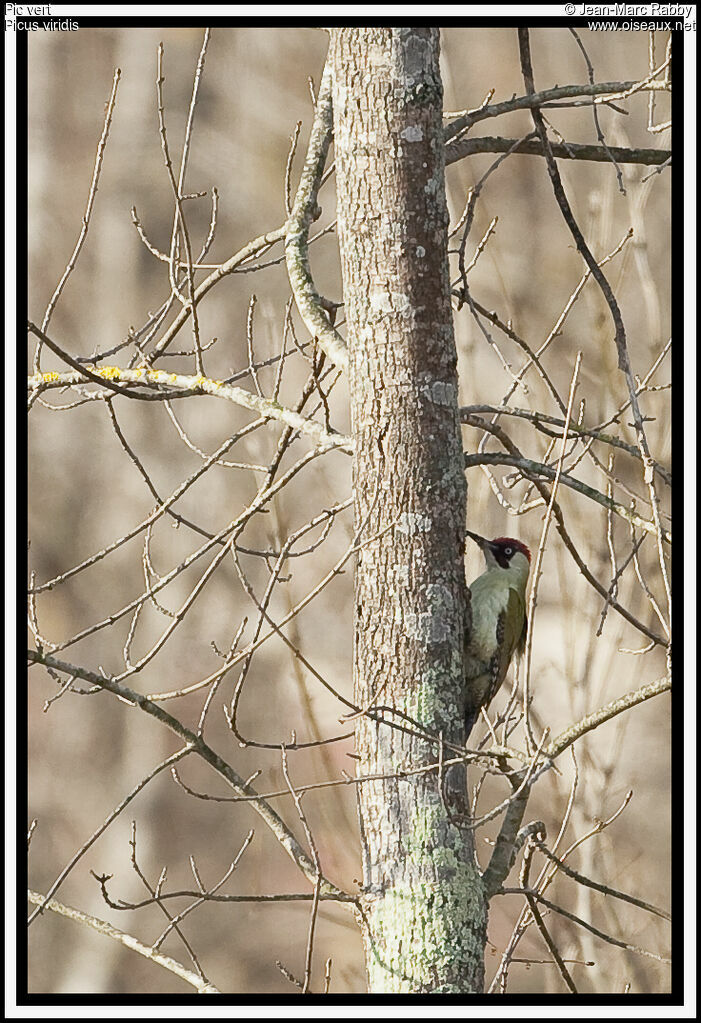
{"x": 499, "y": 624}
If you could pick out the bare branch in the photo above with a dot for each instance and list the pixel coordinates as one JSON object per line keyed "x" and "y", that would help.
{"x": 304, "y": 211}
{"x": 611, "y": 710}
{"x": 197, "y": 745}
{"x": 102, "y": 927}
{"x": 604, "y": 889}
{"x": 540, "y": 924}
{"x": 168, "y": 762}
{"x": 587, "y": 926}
{"x": 92, "y": 193}
{"x": 562, "y": 151}
{"x": 602, "y": 91}
{"x": 163, "y": 381}
{"x": 531, "y": 468}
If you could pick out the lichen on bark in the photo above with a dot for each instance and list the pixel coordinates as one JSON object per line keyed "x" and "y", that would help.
{"x": 423, "y": 908}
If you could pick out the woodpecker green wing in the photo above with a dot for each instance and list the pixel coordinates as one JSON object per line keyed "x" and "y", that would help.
{"x": 521, "y": 644}
{"x": 511, "y": 634}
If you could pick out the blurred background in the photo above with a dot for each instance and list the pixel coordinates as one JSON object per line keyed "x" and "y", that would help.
{"x": 87, "y": 752}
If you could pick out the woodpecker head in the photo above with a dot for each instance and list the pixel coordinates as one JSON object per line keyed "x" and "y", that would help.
{"x": 503, "y": 553}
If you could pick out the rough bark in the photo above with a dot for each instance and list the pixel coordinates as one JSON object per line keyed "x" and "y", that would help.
{"x": 424, "y": 910}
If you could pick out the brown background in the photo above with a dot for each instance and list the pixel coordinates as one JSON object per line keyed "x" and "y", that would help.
{"x": 86, "y": 753}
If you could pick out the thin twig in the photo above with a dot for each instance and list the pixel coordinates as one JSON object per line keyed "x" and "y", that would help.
{"x": 535, "y": 575}
{"x": 199, "y": 747}
{"x": 102, "y": 927}
{"x": 605, "y": 889}
{"x": 92, "y": 193}
{"x": 540, "y": 924}
{"x": 108, "y": 821}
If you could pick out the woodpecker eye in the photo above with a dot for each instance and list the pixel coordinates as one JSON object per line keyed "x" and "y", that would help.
{"x": 508, "y": 551}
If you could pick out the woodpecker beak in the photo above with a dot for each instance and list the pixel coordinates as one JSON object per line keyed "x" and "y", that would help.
{"x": 479, "y": 540}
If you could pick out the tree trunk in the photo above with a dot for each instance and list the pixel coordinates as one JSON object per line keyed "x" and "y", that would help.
{"x": 424, "y": 910}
